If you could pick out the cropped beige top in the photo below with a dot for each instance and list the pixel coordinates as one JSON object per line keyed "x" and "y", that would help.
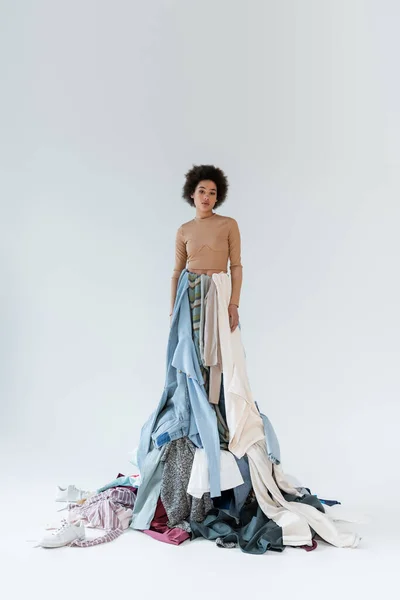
{"x": 204, "y": 245}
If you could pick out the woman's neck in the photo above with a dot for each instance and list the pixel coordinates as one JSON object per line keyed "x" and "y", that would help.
{"x": 201, "y": 215}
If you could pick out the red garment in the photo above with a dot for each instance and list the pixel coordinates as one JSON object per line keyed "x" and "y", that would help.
{"x": 309, "y": 548}
{"x": 160, "y": 531}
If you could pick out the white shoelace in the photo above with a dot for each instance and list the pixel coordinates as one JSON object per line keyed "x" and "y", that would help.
{"x": 64, "y": 525}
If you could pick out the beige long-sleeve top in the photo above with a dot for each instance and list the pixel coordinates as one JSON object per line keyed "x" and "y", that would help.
{"x": 205, "y": 245}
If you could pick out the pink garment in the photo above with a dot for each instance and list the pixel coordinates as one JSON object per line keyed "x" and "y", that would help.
{"x": 110, "y": 510}
{"x": 160, "y": 531}
{"x": 107, "y": 537}
{"x": 124, "y": 515}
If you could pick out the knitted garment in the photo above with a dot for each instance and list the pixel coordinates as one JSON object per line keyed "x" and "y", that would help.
{"x": 179, "y": 505}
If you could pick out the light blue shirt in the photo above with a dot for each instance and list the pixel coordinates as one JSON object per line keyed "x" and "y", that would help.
{"x": 183, "y": 410}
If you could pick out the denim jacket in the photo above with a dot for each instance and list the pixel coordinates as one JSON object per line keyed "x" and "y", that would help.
{"x": 183, "y": 409}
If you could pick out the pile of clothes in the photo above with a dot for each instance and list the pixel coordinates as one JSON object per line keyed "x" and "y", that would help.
{"x": 109, "y": 508}
{"x": 208, "y": 460}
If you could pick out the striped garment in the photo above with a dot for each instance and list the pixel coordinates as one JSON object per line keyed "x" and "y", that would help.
{"x": 195, "y": 299}
{"x": 199, "y": 284}
{"x": 110, "y": 510}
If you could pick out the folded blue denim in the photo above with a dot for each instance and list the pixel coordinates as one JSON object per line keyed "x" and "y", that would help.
{"x": 271, "y": 439}
{"x": 183, "y": 409}
{"x": 273, "y": 449}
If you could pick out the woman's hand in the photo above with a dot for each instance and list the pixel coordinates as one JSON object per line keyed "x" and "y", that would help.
{"x": 233, "y": 316}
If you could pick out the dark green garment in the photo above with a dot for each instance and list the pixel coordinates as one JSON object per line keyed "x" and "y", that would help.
{"x": 253, "y": 531}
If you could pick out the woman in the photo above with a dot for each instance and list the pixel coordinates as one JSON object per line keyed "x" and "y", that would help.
{"x": 209, "y": 460}
{"x": 206, "y": 244}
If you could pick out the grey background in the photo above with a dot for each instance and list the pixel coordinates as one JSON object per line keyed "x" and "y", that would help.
{"x": 104, "y": 106}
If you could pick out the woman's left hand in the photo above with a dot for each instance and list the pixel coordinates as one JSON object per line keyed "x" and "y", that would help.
{"x": 233, "y": 316}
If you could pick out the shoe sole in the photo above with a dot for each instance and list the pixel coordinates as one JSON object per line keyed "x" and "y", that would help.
{"x": 49, "y": 546}
{"x": 69, "y": 500}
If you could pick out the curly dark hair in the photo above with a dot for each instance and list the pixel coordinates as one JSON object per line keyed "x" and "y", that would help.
{"x": 200, "y": 173}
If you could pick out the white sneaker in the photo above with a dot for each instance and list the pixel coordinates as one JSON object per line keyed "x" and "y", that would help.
{"x": 71, "y": 494}
{"x": 64, "y": 535}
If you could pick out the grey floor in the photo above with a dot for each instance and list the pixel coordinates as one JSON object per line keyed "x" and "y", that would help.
{"x": 136, "y": 565}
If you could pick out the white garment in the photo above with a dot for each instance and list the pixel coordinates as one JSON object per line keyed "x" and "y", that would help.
{"x": 302, "y": 516}
{"x": 242, "y": 417}
{"x": 247, "y": 437}
{"x": 199, "y": 481}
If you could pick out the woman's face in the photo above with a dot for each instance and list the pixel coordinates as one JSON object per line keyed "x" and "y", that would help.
{"x": 205, "y": 195}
